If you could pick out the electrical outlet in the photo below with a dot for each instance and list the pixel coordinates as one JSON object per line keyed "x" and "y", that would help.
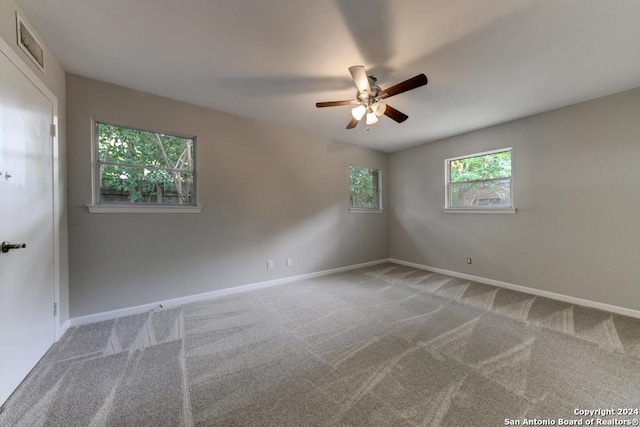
{"x": 289, "y": 262}
{"x": 468, "y": 260}
{"x": 269, "y": 264}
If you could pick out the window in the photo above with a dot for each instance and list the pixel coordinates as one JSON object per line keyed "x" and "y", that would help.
{"x": 141, "y": 167}
{"x": 480, "y": 182}
{"x": 365, "y": 188}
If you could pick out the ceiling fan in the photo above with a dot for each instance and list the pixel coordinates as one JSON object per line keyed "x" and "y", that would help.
{"x": 370, "y": 98}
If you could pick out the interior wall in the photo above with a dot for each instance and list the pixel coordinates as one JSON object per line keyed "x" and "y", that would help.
{"x": 266, "y": 193}
{"x": 575, "y": 183}
{"x": 54, "y": 79}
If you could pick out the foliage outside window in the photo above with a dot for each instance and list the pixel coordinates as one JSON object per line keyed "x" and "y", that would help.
{"x": 144, "y": 167}
{"x": 365, "y": 188}
{"x": 480, "y": 180}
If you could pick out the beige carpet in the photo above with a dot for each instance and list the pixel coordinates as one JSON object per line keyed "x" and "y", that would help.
{"x": 381, "y": 346}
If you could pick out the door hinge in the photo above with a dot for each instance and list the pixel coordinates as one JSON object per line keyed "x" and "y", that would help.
{"x": 52, "y": 130}
{"x": 55, "y": 309}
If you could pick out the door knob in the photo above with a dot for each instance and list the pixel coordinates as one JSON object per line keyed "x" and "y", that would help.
{"x": 6, "y": 246}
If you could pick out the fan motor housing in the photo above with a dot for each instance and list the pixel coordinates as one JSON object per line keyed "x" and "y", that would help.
{"x": 375, "y": 89}
{"x": 373, "y": 95}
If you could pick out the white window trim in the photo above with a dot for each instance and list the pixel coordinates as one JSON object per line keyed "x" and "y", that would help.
{"x": 367, "y": 210}
{"x": 97, "y": 207}
{"x": 480, "y": 210}
{"x": 164, "y": 209}
{"x": 475, "y": 210}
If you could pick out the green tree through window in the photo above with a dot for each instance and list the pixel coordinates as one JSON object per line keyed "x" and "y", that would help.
{"x": 138, "y": 166}
{"x": 365, "y": 188}
{"x": 480, "y": 180}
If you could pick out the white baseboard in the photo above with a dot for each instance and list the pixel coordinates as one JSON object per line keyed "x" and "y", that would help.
{"x": 63, "y": 328}
{"x": 108, "y": 315}
{"x": 128, "y": 311}
{"x": 547, "y": 294}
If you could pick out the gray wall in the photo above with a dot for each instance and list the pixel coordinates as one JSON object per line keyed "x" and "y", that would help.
{"x": 266, "y": 193}
{"x": 54, "y": 79}
{"x": 575, "y": 179}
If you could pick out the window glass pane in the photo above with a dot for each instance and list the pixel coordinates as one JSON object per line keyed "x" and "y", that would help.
{"x": 496, "y": 192}
{"x": 482, "y": 180}
{"x": 139, "y": 147}
{"x": 138, "y": 166}
{"x": 489, "y": 166}
{"x": 120, "y": 184}
{"x": 364, "y": 198}
{"x": 364, "y": 184}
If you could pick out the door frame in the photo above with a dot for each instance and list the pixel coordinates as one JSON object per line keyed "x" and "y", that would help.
{"x": 58, "y": 327}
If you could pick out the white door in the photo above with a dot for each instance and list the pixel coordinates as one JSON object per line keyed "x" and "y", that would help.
{"x": 26, "y": 216}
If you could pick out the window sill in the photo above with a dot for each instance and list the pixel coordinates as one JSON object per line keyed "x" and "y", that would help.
{"x": 480, "y": 210}
{"x": 365, "y": 211}
{"x": 145, "y": 209}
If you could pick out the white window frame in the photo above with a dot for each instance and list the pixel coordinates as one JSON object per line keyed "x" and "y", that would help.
{"x": 97, "y": 207}
{"x": 367, "y": 210}
{"x": 511, "y": 209}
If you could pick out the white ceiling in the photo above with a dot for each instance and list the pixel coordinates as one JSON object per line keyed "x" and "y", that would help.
{"x": 488, "y": 61}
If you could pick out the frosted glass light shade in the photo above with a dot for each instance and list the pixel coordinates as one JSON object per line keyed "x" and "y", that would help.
{"x": 372, "y": 118}
{"x": 379, "y": 108}
{"x": 358, "y": 112}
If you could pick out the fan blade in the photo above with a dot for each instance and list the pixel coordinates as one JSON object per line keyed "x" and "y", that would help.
{"x": 353, "y": 123}
{"x": 412, "y": 83}
{"x": 335, "y": 103}
{"x": 395, "y": 114}
{"x": 359, "y": 75}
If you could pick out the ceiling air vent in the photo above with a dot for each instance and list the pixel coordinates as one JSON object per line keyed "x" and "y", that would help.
{"x": 29, "y": 43}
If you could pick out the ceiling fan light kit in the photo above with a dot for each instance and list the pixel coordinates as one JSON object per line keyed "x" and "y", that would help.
{"x": 370, "y": 97}
{"x": 358, "y": 112}
{"x": 372, "y": 119}
{"x": 379, "y": 108}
